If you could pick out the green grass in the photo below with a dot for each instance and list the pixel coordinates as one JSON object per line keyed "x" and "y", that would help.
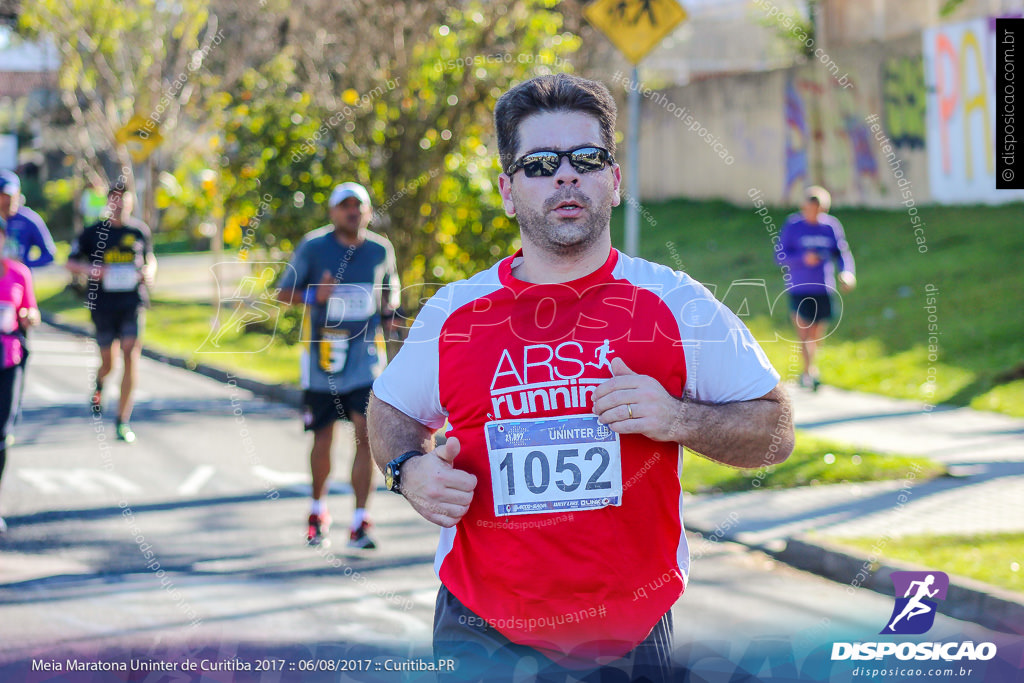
{"x": 186, "y": 330}
{"x": 814, "y": 461}
{"x": 991, "y": 558}
{"x": 163, "y": 245}
{"x": 63, "y": 249}
{"x": 880, "y": 343}
{"x": 50, "y": 294}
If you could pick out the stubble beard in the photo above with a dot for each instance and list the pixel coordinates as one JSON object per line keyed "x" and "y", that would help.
{"x": 565, "y": 237}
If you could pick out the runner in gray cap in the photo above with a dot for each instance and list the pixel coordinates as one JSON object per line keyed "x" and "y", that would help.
{"x": 346, "y": 277}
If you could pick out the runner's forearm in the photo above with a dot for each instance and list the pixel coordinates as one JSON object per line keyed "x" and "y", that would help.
{"x": 747, "y": 434}
{"x": 78, "y": 267}
{"x": 290, "y": 297}
{"x": 392, "y": 432}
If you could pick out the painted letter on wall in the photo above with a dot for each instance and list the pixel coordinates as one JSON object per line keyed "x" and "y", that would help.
{"x": 959, "y": 73}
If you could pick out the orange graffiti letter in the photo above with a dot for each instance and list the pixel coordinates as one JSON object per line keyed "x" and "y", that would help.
{"x": 945, "y": 90}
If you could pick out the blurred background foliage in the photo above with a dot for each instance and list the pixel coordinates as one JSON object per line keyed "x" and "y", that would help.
{"x": 264, "y": 108}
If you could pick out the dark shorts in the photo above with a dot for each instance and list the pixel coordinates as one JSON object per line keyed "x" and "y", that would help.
{"x": 480, "y": 652}
{"x": 811, "y": 308}
{"x": 118, "y": 323}
{"x": 321, "y": 408}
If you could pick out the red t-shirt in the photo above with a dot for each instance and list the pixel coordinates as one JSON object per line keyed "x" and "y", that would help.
{"x": 578, "y": 583}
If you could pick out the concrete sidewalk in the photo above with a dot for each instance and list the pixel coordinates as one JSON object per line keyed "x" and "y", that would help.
{"x": 984, "y": 452}
{"x": 944, "y": 433}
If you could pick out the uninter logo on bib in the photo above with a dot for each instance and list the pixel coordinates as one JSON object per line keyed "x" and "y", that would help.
{"x": 914, "y": 612}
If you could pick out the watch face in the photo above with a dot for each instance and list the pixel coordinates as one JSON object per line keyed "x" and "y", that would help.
{"x": 389, "y": 477}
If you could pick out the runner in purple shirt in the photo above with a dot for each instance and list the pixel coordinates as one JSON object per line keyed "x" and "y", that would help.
{"x": 813, "y": 245}
{"x": 25, "y": 228}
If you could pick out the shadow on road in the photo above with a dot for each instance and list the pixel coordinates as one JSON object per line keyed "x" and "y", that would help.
{"x": 201, "y": 540}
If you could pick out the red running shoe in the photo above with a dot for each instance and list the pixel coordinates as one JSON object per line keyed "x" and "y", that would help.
{"x": 360, "y": 538}
{"x": 318, "y": 528}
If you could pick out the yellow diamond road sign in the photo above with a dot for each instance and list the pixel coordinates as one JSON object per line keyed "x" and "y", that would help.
{"x": 635, "y": 26}
{"x": 141, "y": 136}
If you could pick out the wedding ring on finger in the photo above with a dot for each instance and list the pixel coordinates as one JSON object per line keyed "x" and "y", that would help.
{"x": 629, "y": 407}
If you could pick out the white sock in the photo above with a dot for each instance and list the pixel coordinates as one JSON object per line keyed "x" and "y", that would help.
{"x": 316, "y": 507}
{"x": 357, "y": 519}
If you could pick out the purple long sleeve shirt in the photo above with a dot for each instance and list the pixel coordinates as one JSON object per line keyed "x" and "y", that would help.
{"x": 826, "y": 237}
{"x": 26, "y": 229}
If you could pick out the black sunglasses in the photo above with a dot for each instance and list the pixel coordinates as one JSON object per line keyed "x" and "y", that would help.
{"x": 546, "y": 162}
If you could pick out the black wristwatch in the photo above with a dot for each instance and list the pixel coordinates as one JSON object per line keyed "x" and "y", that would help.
{"x": 393, "y": 473}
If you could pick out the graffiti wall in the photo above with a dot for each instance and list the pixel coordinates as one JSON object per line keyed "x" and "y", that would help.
{"x": 798, "y": 139}
{"x": 903, "y": 101}
{"x": 921, "y": 106}
{"x": 827, "y": 139}
{"x": 959, "y": 69}
{"x": 793, "y": 127}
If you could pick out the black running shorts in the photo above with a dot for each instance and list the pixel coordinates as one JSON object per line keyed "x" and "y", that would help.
{"x": 811, "y": 308}
{"x": 118, "y": 322}
{"x": 321, "y": 408}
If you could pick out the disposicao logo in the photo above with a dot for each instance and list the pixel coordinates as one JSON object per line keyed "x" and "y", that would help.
{"x": 917, "y": 595}
{"x": 914, "y": 613}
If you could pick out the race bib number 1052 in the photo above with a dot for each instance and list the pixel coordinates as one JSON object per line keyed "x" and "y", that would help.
{"x": 554, "y": 464}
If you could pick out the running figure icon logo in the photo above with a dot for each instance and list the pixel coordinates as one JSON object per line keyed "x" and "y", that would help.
{"x": 914, "y": 613}
{"x": 601, "y": 353}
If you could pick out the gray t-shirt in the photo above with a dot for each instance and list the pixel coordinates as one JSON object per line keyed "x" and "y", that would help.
{"x": 343, "y": 348}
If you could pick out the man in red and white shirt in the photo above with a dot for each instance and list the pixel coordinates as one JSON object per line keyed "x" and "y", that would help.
{"x": 571, "y": 376}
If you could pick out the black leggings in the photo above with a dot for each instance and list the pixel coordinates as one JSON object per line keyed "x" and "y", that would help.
{"x": 10, "y": 402}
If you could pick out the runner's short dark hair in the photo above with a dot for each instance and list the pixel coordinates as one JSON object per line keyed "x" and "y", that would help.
{"x": 117, "y": 188}
{"x": 560, "y": 92}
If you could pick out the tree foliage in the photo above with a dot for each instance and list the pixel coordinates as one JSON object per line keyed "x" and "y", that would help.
{"x": 405, "y": 110}
{"x": 300, "y": 96}
{"x": 119, "y": 59}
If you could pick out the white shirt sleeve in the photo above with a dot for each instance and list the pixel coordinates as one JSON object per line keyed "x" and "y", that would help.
{"x": 724, "y": 363}
{"x": 410, "y": 381}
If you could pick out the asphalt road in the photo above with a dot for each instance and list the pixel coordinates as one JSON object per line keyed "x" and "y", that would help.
{"x": 189, "y": 545}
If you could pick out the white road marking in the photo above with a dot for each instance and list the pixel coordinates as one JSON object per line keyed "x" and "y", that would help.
{"x": 280, "y": 478}
{"x": 36, "y": 389}
{"x": 62, "y": 346}
{"x": 80, "y": 480}
{"x": 64, "y": 360}
{"x": 196, "y": 480}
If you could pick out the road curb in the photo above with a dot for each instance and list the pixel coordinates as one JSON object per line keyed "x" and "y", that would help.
{"x": 283, "y": 393}
{"x": 967, "y": 599}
